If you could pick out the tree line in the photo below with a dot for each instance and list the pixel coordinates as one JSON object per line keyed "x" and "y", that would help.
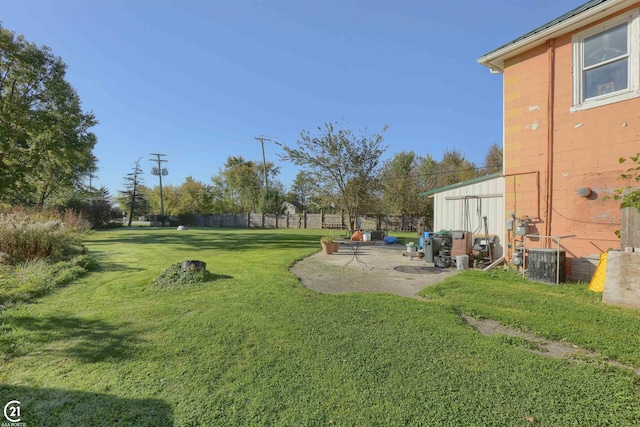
{"x": 46, "y": 155}
{"x": 340, "y": 171}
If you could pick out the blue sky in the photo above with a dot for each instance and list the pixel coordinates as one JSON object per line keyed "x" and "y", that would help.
{"x": 198, "y": 80}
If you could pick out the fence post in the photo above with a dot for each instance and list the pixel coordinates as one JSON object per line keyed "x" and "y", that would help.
{"x": 629, "y": 228}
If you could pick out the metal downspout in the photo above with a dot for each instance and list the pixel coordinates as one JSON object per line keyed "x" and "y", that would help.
{"x": 551, "y": 51}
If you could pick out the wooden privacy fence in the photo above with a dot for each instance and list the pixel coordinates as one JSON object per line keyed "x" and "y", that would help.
{"x": 317, "y": 221}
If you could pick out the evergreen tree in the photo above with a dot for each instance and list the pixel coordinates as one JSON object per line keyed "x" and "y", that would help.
{"x": 132, "y": 197}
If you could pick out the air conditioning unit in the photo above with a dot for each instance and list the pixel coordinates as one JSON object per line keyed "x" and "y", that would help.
{"x": 544, "y": 265}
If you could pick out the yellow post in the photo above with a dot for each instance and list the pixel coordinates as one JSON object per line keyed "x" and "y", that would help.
{"x": 597, "y": 281}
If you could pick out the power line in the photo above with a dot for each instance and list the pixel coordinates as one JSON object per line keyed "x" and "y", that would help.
{"x": 451, "y": 171}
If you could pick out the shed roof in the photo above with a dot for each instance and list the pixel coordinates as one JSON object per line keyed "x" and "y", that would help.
{"x": 462, "y": 184}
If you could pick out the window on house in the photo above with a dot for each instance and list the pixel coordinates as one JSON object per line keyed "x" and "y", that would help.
{"x": 606, "y": 63}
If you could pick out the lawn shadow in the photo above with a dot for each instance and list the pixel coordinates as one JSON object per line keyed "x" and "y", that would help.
{"x": 89, "y": 341}
{"x": 104, "y": 265}
{"x": 211, "y": 277}
{"x": 58, "y": 407}
{"x": 419, "y": 269}
{"x": 214, "y": 238}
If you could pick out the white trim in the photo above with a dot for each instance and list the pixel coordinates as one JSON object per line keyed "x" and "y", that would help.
{"x": 632, "y": 91}
{"x": 495, "y": 60}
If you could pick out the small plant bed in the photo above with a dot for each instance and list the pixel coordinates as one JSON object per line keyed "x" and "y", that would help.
{"x": 40, "y": 251}
{"x": 175, "y": 277}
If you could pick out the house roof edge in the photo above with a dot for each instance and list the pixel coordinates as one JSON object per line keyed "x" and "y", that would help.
{"x": 582, "y": 15}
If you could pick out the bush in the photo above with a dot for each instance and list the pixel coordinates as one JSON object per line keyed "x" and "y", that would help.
{"x": 174, "y": 277}
{"x": 629, "y": 196}
{"x": 31, "y": 279}
{"x": 28, "y": 235}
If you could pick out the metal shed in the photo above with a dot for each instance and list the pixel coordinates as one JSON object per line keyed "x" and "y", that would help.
{"x": 463, "y": 205}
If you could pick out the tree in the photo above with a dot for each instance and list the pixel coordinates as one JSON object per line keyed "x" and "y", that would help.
{"x": 271, "y": 202}
{"x": 401, "y": 184}
{"x": 195, "y": 197}
{"x": 305, "y": 191}
{"x": 456, "y": 168}
{"x": 241, "y": 181}
{"x": 100, "y": 210}
{"x": 433, "y": 173}
{"x": 343, "y": 163}
{"x": 171, "y": 197}
{"x": 493, "y": 160}
{"x": 45, "y": 145}
{"x": 453, "y": 168}
{"x": 191, "y": 197}
{"x": 132, "y": 197}
{"x": 220, "y": 193}
{"x": 94, "y": 205}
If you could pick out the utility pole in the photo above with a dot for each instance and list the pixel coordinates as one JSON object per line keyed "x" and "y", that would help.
{"x": 262, "y": 139}
{"x": 160, "y": 171}
{"x": 91, "y": 176}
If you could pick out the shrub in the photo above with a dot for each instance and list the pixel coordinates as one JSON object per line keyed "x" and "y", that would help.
{"x": 31, "y": 279}
{"x": 629, "y": 196}
{"x": 28, "y": 235}
{"x": 174, "y": 277}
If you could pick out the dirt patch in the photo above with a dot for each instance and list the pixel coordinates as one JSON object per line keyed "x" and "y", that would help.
{"x": 555, "y": 349}
{"x": 541, "y": 346}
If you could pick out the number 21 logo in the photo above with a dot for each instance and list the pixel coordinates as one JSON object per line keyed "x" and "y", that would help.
{"x": 12, "y": 411}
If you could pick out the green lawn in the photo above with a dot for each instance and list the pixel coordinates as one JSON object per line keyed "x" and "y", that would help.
{"x": 252, "y": 346}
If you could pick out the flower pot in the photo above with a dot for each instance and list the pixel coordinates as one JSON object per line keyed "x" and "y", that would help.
{"x": 327, "y": 248}
{"x": 336, "y": 246}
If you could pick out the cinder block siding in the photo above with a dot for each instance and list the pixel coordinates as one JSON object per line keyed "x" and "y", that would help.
{"x": 586, "y": 148}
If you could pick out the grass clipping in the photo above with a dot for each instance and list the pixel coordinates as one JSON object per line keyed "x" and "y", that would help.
{"x": 174, "y": 277}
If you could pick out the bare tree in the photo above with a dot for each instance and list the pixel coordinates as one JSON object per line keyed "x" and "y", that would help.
{"x": 343, "y": 163}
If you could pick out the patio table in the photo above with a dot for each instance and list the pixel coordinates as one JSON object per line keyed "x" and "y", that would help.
{"x": 355, "y": 246}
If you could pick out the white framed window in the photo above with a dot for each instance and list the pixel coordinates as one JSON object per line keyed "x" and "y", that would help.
{"x": 605, "y": 62}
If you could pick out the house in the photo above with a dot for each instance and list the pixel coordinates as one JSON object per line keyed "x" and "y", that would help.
{"x": 466, "y": 205}
{"x": 291, "y": 208}
{"x": 571, "y": 96}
